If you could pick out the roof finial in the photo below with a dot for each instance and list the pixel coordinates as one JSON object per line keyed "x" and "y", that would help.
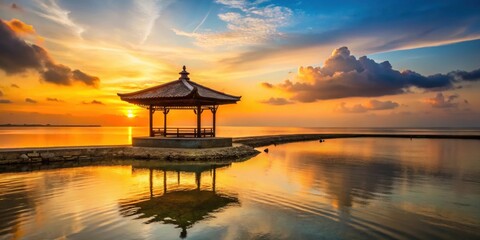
{"x": 184, "y": 73}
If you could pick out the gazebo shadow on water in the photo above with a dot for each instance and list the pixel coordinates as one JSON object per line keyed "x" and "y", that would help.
{"x": 181, "y": 207}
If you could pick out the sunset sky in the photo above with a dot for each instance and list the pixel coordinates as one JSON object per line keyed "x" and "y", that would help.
{"x": 295, "y": 63}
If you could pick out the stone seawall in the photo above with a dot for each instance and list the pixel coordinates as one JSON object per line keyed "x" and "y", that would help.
{"x": 92, "y": 153}
{"x": 242, "y": 148}
{"x": 54, "y": 154}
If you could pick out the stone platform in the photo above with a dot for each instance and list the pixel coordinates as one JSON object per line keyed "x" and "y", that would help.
{"x": 91, "y": 154}
{"x": 165, "y": 142}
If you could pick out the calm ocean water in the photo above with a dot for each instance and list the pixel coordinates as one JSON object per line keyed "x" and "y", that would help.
{"x": 365, "y": 188}
{"x": 13, "y": 137}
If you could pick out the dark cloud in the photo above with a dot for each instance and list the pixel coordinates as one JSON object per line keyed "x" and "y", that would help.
{"x": 277, "y": 101}
{"x": 58, "y": 74}
{"x": 1, "y": 93}
{"x": 54, "y": 99}
{"x": 17, "y": 56}
{"x": 85, "y": 78}
{"x": 342, "y": 76}
{"x": 14, "y": 86}
{"x": 441, "y": 101}
{"x": 29, "y": 100}
{"x": 93, "y": 102}
{"x": 467, "y": 76}
{"x": 5, "y": 101}
{"x": 372, "y": 105}
{"x": 267, "y": 85}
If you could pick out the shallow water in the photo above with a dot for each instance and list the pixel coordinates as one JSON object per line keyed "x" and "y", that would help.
{"x": 340, "y": 189}
{"x": 18, "y": 137}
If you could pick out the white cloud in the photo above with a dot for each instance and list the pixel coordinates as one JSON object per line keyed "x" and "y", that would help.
{"x": 239, "y": 4}
{"x": 148, "y": 13}
{"x": 252, "y": 25}
{"x": 201, "y": 22}
{"x": 51, "y": 10}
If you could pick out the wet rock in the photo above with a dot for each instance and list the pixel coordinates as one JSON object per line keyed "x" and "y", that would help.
{"x": 90, "y": 151}
{"x": 70, "y": 158}
{"x": 36, "y": 159}
{"x": 11, "y": 156}
{"x": 47, "y": 155}
{"x": 72, "y": 153}
{"x": 33, "y": 154}
{"x": 24, "y": 157}
{"x": 56, "y": 159}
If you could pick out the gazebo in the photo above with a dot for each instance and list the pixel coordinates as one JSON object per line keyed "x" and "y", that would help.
{"x": 181, "y": 94}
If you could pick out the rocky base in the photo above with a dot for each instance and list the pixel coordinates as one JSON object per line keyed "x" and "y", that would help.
{"x": 47, "y": 155}
{"x": 237, "y": 151}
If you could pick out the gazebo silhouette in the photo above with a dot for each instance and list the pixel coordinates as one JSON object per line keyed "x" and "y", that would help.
{"x": 180, "y": 94}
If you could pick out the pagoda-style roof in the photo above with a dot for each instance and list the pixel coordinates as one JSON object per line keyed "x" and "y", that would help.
{"x": 178, "y": 93}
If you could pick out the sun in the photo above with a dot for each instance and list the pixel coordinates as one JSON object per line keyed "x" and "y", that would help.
{"x": 130, "y": 114}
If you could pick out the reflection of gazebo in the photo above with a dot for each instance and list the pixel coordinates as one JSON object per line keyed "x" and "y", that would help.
{"x": 182, "y": 208}
{"x": 196, "y": 168}
{"x": 180, "y": 94}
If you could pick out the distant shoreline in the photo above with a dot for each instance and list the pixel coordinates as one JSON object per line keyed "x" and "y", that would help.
{"x": 48, "y": 125}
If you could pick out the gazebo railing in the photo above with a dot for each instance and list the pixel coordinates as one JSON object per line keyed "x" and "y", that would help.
{"x": 183, "y": 132}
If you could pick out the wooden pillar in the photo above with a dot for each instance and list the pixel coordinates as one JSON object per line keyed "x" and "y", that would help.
{"x": 214, "y": 113}
{"x": 164, "y": 181}
{"x": 165, "y": 112}
{"x": 199, "y": 121}
{"x": 151, "y": 111}
{"x": 214, "y": 178}
{"x": 151, "y": 183}
{"x": 214, "y": 129}
{"x": 198, "y": 177}
{"x": 178, "y": 177}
